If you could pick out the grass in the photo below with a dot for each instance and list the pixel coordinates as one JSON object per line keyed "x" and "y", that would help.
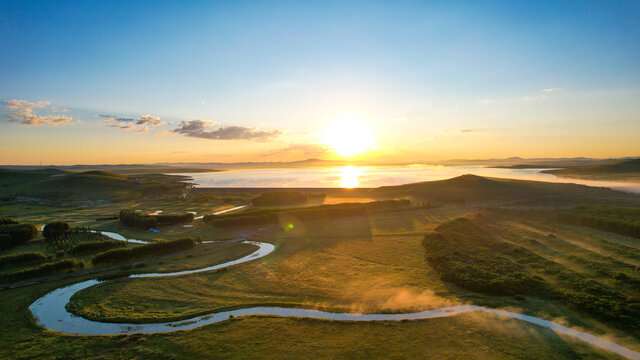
{"x": 465, "y": 336}
{"x": 39, "y": 245}
{"x": 372, "y": 264}
{"x": 368, "y": 263}
{"x": 53, "y": 184}
{"x": 346, "y": 266}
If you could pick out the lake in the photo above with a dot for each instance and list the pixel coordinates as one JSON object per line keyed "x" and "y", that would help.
{"x": 373, "y": 176}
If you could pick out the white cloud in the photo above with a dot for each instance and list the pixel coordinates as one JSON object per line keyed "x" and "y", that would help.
{"x": 22, "y": 112}
{"x": 198, "y": 128}
{"x": 141, "y": 125}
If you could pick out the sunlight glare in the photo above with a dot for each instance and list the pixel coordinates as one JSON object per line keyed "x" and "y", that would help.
{"x": 349, "y": 137}
{"x": 350, "y": 177}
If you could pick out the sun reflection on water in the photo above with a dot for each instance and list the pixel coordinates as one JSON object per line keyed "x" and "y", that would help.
{"x": 350, "y": 177}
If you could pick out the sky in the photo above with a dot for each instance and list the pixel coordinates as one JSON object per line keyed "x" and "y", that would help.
{"x": 97, "y": 82}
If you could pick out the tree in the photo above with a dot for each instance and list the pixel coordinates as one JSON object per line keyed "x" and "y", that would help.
{"x": 55, "y": 229}
{"x": 57, "y": 234}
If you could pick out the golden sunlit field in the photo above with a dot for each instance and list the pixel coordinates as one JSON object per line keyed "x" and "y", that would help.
{"x": 372, "y": 264}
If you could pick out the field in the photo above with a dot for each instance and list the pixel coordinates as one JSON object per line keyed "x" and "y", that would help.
{"x": 390, "y": 275}
{"x": 376, "y": 262}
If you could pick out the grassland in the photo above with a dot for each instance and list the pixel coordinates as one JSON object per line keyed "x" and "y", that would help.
{"x": 482, "y": 254}
{"x": 372, "y": 263}
{"x": 56, "y": 185}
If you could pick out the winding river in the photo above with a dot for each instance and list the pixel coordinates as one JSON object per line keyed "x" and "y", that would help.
{"x": 50, "y": 312}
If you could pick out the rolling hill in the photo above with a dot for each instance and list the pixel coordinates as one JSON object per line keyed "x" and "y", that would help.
{"x": 620, "y": 170}
{"x": 55, "y": 184}
{"x": 477, "y": 189}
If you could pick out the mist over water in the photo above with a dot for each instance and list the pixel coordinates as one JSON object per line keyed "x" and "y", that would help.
{"x": 373, "y": 176}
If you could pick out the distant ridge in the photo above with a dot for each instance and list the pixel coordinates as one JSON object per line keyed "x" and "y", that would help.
{"x": 471, "y": 189}
{"x": 166, "y": 167}
{"x": 618, "y": 170}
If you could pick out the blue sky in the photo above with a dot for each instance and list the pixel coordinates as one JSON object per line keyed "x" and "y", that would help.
{"x": 416, "y": 72}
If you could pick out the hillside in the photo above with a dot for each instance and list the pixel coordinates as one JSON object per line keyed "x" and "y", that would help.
{"x": 620, "y": 170}
{"x": 471, "y": 189}
{"x": 55, "y": 184}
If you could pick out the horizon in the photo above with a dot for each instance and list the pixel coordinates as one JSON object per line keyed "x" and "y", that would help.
{"x": 343, "y": 160}
{"x": 94, "y": 83}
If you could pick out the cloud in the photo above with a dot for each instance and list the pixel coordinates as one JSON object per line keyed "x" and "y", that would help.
{"x": 15, "y": 104}
{"x": 142, "y": 130}
{"x": 150, "y": 120}
{"x": 22, "y": 112}
{"x": 484, "y": 101}
{"x": 545, "y": 93}
{"x": 472, "y": 130}
{"x": 114, "y": 118}
{"x": 198, "y": 128}
{"x": 141, "y": 125}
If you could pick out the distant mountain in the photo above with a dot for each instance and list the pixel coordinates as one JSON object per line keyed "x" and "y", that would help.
{"x": 186, "y": 167}
{"x": 530, "y": 163}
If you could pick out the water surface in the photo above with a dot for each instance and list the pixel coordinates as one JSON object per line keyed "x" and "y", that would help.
{"x": 374, "y": 176}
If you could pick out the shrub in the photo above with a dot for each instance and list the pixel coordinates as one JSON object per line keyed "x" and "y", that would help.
{"x": 7, "y": 221}
{"x": 624, "y": 221}
{"x": 128, "y": 254}
{"x": 45, "y": 269}
{"x": 474, "y": 257}
{"x": 95, "y": 246}
{"x": 24, "y": 258}
{"x": 173, "y": 219}
{"x": 323, "y": 212}
{"x": 55, "y": 229}
{"x": 134, "y": 218}
{"x": 283, "y": 198}
{"x": 464, "y": 254}
{"x": 5, "y": 241}
{"x": 16, "y": 234}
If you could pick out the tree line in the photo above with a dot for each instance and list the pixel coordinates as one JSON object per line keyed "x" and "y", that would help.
{"x": 12, "y": 233}
{"x": 142, "y": 251}
{"x": 473, "y": 258}
{"x": 323, "y": 212}
{"x": 285, "y": 198}
{"x": 624, "y": 221}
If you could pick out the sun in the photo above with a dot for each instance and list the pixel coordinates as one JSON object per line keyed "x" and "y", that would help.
{"x": 349, "y": 137}
{"x": 349, "y": 178}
